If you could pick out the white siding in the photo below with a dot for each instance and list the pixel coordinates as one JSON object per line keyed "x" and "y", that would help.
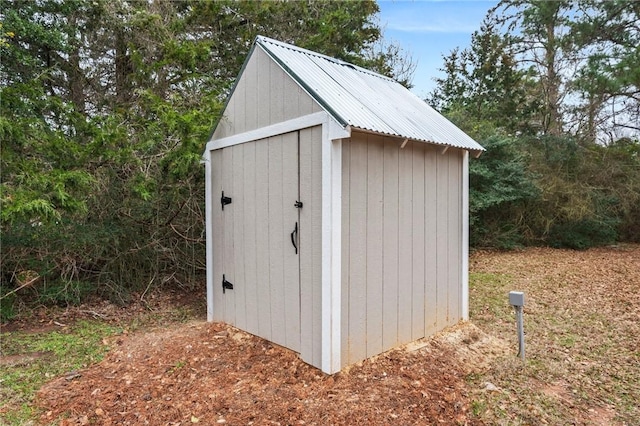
{"x": 431, "y": 242}
{"x": 264, "y": 95}
{"x": 374, "y": 247}
{"x": 357, "y": 308}
{"x": 402, "y": 232}
{"x": 390, "y": 254}
{"x": 275, "y": 249}
{"x": 418, "y": 240}
{"x": 218, "y": 240}
{"x": 252, "y": 219}
{"x": 311, "y": 245}
{"x": 228, "y": 269}
{"x": 252, "y": 245}
{"x": 346, "y": 250}
{"x": 398, "y": 251}
{"x": 236, "y": 212}
{"x": 262, "y": 240}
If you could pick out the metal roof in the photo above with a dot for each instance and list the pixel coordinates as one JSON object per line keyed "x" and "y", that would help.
{"x": 365, "y": 100}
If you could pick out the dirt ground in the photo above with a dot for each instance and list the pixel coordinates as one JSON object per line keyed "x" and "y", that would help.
{"x": 214, "y": 374}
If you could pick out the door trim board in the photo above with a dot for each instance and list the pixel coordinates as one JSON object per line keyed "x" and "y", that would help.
{"x": 306, "y": 121}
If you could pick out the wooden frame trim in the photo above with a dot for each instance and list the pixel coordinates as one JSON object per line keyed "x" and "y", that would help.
{"x": 331, "y": 303}
{"x": 465, "y": 236}
{"x": 310, "y": 120}
{"x": 209, "y": 231}
{"x": 331, "y": 234}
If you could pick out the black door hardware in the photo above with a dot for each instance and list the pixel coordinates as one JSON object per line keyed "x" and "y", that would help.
{"x": 224, "y": 200}
{"x": 294, "y": 236}
{"x": 226, "y": 285}
{"x": 298, "y": 205}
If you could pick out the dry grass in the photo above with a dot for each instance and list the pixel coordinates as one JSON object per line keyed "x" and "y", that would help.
{"x": 582, "y": 325}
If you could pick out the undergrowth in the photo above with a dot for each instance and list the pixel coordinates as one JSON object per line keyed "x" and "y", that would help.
{"x": 581, "y": 333}
{"x": 31, "y": 359}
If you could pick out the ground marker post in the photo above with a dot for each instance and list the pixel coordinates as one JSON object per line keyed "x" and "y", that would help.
{"x": 516, "y": 299}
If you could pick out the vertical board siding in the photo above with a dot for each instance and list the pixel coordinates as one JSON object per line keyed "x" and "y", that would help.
{"x": 455, "y": 235}
{"x": 310, "y": 245}
{"x": 374, "y": 249}
{"x": 390, "y": 244}
{"x": 357, "y": 309}
{"x": 250, "y": 223}
{"x": 276, "y": 240}
{"x": 262, "y": 239}
{"x": 251, "y": 108}
{"x": 291, "y": 281}
{"x": 291, "y": 98}
{"x": 418, "y": 242}
{"x": 253, "y": 247}
{"x": 228, "y": 268}
{"x": 431, "y": 243}
{"x": 236, "y": 210}
{"x": 218, "y": 230}
{"x": 276, "y": 93}
{"x": 442, "y": 238}
{"x": 260, "y": 65}
{"x": 405, "y": 243}
{"x": 239, "y": 105}
{"x": 401, "y": 242}
{"x": 264, "y": 94}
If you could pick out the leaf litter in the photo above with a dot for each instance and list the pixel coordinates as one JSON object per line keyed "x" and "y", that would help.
{"x": 582, "y": 329}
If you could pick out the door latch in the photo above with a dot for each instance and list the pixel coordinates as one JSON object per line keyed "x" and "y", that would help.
{"x": 226, "y": 285}
{"x": 224, "y": 200}
{"x": 298, "y": 205}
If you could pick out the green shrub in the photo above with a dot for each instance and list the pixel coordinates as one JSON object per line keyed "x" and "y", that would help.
{"x": 583, "y": 234}
{"x": 500, "y": 187}
{"x": 66, "y": 293}
{"x": 7, "y": 306}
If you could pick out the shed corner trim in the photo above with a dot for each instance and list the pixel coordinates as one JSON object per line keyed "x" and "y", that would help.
{"x": 464, "y": 303}
{"x": 209, "y": 233}
{"x": 332, "y": 134}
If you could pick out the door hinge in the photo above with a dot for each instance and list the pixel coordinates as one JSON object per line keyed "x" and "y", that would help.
{"x": 224, "y": 200}
{"x": 226, "y": 285}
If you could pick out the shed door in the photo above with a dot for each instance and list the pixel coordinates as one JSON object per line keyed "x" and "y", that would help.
{"x": 261, "y": 228}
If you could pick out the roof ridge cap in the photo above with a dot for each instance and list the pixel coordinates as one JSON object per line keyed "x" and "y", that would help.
{"x": 263, "y": 39}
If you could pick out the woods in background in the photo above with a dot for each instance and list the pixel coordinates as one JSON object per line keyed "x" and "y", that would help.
{"x": 105, "y": 106}
{"x": 552, "y": 90}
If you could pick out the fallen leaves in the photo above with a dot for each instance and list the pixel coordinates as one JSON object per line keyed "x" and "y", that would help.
{"x": 582, "y": 319}
{"x": 582, "y": 322}
{"x": 232, "y": 377}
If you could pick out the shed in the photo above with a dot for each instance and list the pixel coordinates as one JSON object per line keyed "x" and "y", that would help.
{"x": 336, "y": 209}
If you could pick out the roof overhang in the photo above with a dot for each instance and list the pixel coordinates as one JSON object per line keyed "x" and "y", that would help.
{"x": 474, "y": 152}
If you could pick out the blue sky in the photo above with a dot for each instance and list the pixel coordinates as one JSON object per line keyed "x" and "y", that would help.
{"x": 429, "y": 29}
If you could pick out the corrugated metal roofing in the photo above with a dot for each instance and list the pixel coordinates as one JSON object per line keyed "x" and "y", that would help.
{"x": 366, "y": 100}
